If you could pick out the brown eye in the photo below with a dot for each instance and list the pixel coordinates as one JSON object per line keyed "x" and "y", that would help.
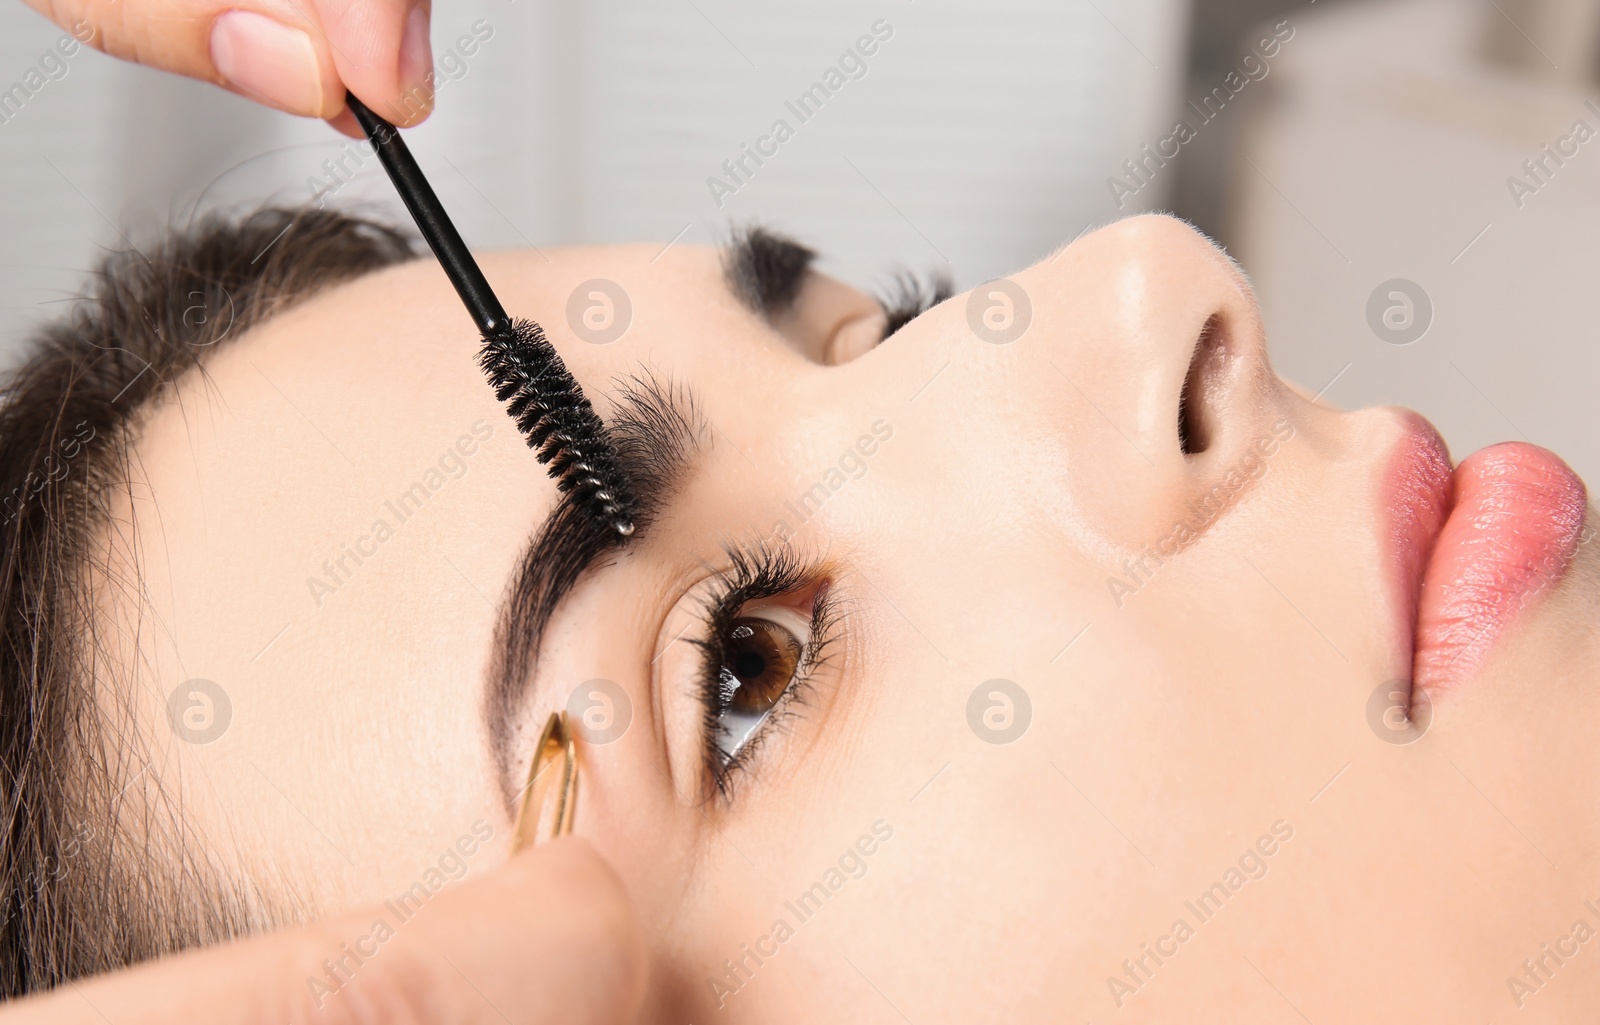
{"x": 760, "y": 658}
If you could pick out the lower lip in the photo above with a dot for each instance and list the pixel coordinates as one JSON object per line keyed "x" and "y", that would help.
{"x": 1474, "y": 547}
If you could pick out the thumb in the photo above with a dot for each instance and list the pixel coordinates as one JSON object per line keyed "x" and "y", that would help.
{"x": 294, "y": 55}
{"x": 550, "y": 937}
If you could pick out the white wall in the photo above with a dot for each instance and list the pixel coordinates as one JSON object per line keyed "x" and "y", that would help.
{"x": 1384, "y": 152}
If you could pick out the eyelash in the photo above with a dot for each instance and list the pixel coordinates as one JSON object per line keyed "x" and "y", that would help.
{"x": 909, "y": 296}
{"x": 755, "y": 574}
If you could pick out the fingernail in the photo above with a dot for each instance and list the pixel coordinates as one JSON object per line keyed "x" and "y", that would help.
{"x": 269, "y": 60}
{"x": 416, "y": 63}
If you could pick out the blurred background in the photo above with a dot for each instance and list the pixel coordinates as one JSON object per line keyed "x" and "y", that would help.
{"x": 1413, "y": 185}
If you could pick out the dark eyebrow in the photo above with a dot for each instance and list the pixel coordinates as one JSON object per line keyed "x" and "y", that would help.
{"x": 764, "y": 270}
{"x": 658, "y": 430}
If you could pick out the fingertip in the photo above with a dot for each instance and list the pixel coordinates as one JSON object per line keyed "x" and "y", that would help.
{"x": 384, "y": 54}
{"x": 601, "y": 931}
{"x": 282, "y": 65}
{"x": 550, "y": 937}
{"x": 409, "y": 109}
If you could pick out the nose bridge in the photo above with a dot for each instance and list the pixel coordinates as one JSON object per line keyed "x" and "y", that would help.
{"x": 1143, "y": 380}
{"x": 1094, "y": 392}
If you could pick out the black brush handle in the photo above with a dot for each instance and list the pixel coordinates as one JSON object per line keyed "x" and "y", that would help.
{"x": 431, "y": 219}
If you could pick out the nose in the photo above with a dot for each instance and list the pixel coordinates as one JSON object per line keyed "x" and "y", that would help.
{"x": 1147, "y": 364}
{"x": 1117, "y": 391}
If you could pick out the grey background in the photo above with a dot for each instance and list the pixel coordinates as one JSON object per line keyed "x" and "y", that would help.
{"x": 983, "y": 134}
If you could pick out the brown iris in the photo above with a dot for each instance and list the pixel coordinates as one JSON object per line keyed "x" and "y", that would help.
{"x": 763, "y": 658}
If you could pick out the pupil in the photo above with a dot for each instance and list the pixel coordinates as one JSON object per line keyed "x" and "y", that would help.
{"x": 749, "y": 665}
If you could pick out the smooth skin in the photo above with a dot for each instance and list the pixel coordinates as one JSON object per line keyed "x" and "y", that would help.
{"x": 1225, "y": 696}
{"x": 1212, "y": 719}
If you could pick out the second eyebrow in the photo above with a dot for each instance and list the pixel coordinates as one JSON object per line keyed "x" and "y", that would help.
{"x": 765, "y": 270}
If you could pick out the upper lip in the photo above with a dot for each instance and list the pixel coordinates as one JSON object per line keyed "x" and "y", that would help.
{"x": 1419, "y": 497}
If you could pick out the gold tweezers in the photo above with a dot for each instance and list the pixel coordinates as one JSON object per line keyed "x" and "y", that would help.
{"x": 555, "y": 747}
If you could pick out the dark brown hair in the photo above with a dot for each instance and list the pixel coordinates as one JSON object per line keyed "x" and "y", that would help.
{"x": 95, "y": 869}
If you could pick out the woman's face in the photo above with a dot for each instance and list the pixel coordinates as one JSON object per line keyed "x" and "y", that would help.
{"x": 1080, "y": 719}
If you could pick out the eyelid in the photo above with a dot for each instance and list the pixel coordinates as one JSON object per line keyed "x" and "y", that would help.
{"x": 830, "y": 322}
{"x": 855, "y": 337}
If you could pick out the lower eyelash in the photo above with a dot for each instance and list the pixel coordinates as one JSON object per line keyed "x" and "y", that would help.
{"x": 725, "y": 775}
{"x": 754, "y": 574}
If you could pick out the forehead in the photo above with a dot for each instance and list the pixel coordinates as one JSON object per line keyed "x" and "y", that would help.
{"x": 316, "y": 411}
{"x": 323, "y": 522}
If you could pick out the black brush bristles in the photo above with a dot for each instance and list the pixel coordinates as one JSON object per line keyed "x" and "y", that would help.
{"x": 523, "y": 367}
{"x": 552, "y": 412}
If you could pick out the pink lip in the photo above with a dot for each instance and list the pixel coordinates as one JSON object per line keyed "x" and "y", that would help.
{"x": 1473, "y": 547}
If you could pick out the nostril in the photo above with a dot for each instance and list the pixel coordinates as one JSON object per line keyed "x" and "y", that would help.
{"x": 1197, "y": 405}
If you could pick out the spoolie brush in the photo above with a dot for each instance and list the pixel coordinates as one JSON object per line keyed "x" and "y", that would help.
{"x": 523, "y": 367}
